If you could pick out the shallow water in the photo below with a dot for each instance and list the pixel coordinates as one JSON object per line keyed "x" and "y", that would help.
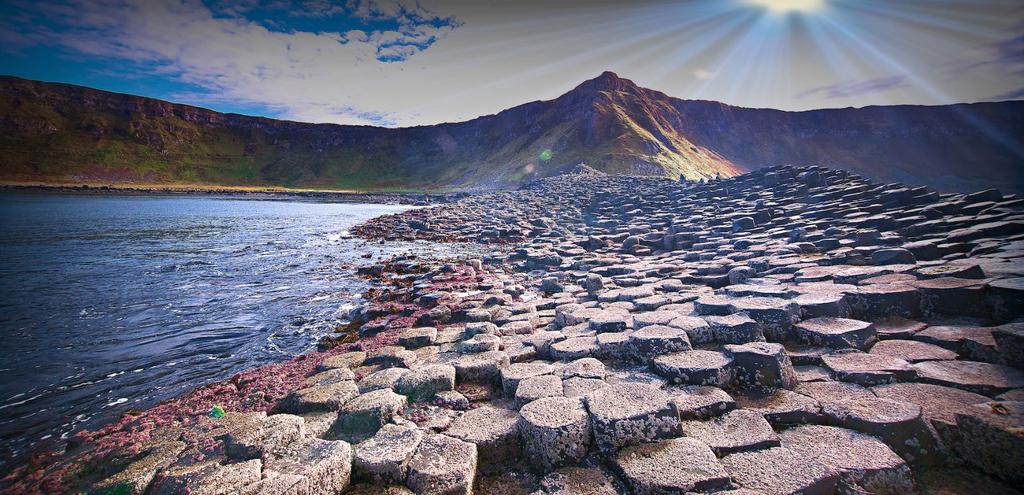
{"x": 110, "y": 303}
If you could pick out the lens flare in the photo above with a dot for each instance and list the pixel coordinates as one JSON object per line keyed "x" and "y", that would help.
{"x": 789, "y": 5}
{"x": 545, "y": 155}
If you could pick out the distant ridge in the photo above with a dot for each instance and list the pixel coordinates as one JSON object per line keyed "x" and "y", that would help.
{"x": 63, "y": 133}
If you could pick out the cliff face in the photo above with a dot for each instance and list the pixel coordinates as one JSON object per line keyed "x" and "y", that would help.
{"x": 58, "y": 132}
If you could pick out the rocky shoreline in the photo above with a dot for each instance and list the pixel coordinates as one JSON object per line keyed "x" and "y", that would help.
{"x": 791, "y": 330}
{"x": 403, "y": 198}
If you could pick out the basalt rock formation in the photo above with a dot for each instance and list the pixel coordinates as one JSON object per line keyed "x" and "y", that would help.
{"x": 790, "y": 330}
{"x": 70, "y": 134}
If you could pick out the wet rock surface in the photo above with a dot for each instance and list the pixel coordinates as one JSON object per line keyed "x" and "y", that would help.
{"x": 788, "y": 330}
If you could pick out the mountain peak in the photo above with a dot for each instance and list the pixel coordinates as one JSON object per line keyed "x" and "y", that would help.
{"x": 607, "y": 81}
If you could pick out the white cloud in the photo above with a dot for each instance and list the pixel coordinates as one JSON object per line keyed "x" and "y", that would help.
{"x": 703, "y": 74}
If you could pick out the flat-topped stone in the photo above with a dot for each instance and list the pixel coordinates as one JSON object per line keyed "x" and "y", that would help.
{"x": 837, "y": 333}
{"x": 443, "y": 465}
{"x": 493, "y": 430}
{"x": 630, "y": 413}
{"x": 780, "y": 407}
{"x": 867, "y": 369}
{"x": 577, "y": 481}
{"x": 484, "y": 367}
{"x": 899, "y": 424}
{"x": 699, "y": 402}
{"x": 982, "y": 378}
{"x": 865, "y": 463}
{"x": 780, "y": 470}
{"x": 670, "y": 466}
{"x": 762, "y": 364}
{"x": 897, "y": 327}
{"x": 734, "y": 329}
{"x": 696, "y": 367}
{"x": 319, "y": 398}
{"x": 555, "y": 431}
{"x": 424, "y": 382}
{"x": 991, "y": 439}
{"x": 939, "y": 404}
{"x": 575, "y": 348}
{"x": 655, "y": 340}
{"x": 912, "y": 351}
{"x": 385, "y": 457}
{"x": 514, "y": 373}
{"x": 736, "y": 431}
{"x": 365, "y": 414}
{"x": 414, "y": 338}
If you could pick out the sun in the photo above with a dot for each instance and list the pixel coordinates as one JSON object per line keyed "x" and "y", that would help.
{"x": 784, "y": 6}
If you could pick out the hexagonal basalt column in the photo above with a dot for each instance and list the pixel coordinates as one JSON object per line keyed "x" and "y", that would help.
{"x": 630, "y": 413}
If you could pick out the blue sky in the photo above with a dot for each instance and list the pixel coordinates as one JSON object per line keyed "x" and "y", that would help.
{"x": 398, "y": 63}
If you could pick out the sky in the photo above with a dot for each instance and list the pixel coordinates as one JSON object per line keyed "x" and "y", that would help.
{"x": 402, "y": 63}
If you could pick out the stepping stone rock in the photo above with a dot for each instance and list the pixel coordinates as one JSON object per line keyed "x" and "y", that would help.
{"x": 734, "y": 329}
{"x": 736, "y": 431}
{"x": 494, "y": 432}
{"x": 347, "y": 360}
{"x": 574, "y": 348}
{"x": 414, "y": 338}
{"x": 365, "y": 414}
{"x": 483, "y": 342}
{"x": 137, "y": 476}
{"x": 695, "y": 402}
{"x": 649, "y": 342}
{"x": 991, "y": 439}
{"x": 867, "y": 369}
{"x": 899, "y": 424}
{"x": 443, "y": 465}
{"x": 776, "y": 316}
{"x": 425, "y": 382}
{"x": 670, "y": 466}
{"x": 324, "y": 467}
{"x": 781, "y": 471}
{"x": 976, "y": 343}
{"x": 649, "y": 318}
{"x": 555, "y": 431}
{"x": 577, "y": 481}
{"x": 866, "y": 464}
{"x": 912, "y": 351}
{"x": 893, "y": 256}
{"x": 696, "y": 368}
{"x": 381, "y": 379}
{"x": 939, "y": 404}
{"x": 762, "y": 364}
{"x": 897, "y": 327}
{"x": 837, "y": 333}
{"x": 981, "y": 378}
{"x": 816, "y": 305}
{"x": 1006, "y": 298}
{"x": 385, "y": 457}
{"x": 885, "y": 300}
{"x": 697, "y": 329}
{"x": 953, "y": 296}
{"x": 781, "y": 407}
{"x": 208, "y": 478}
{"x": 252, "y": 441}
{"x": 1010, "y": 341}
{"x": 484, "y": 367}
{"x": 607, "y": 321}
{"x": 578, "y": 387}
{"x": 517, "y": 372}
{"x": 630, "y": 413}
{"x": 319, "y": 398}
{"x": 537, "y": 387}
{"x": 584, "y": 368}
